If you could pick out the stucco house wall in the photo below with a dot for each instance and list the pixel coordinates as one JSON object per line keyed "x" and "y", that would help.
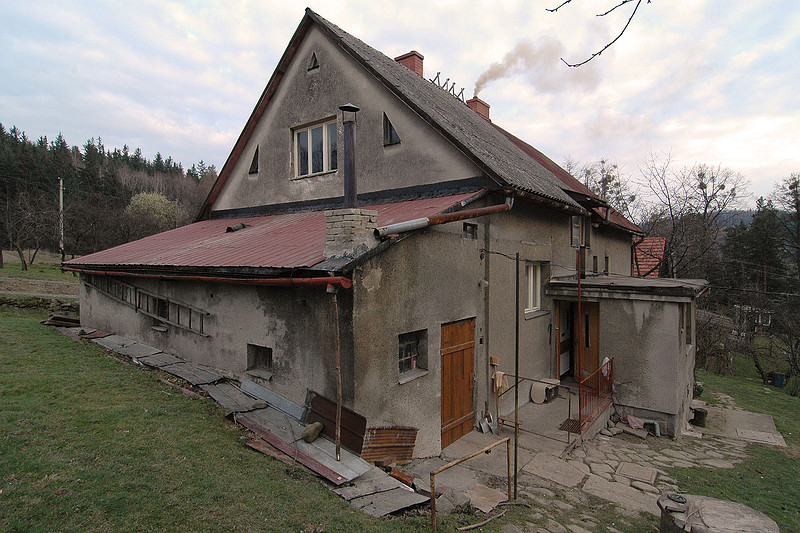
{"x": 422, "y": 157}
{"x": 297, "y": 324}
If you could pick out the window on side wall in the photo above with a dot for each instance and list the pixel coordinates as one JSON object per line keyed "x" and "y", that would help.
{"x": 259, "y": 361}
{"x": 315, "y": 149}
{"x": 412, "y": 354}
{"x": 533, "y": 274}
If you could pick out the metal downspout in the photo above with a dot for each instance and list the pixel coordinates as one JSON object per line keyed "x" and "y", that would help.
{"x": 419, "y": 223}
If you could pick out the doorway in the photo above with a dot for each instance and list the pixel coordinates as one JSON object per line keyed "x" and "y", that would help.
{"x": 457, "y": 351}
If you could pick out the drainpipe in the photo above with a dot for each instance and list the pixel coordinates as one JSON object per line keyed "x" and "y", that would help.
{"x": 419, "y": 223}
{"x": 336, "y": 281}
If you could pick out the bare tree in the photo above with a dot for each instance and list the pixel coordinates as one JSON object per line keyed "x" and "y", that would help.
{"x": 29, "y": 225}
{"x": 689, "y": 207}
{"x": 603, "y": 14}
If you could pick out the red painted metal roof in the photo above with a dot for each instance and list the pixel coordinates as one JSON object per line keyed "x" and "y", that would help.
{"x": 291, "y": 240}
{"x": 571, "y": 182}
{"x": 649, "y": 254}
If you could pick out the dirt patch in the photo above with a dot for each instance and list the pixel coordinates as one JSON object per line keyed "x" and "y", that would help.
{"x": 37, "y": 287}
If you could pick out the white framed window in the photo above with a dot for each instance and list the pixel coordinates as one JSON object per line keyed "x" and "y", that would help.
{"x": 316, "y": 149}
{"x": 533, "y": 274}
{"x": 579, "y": 231}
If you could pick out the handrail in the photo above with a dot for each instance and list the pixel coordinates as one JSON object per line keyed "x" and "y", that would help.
{"x": 451, "y": 464}
{"x": 593, "y": 392}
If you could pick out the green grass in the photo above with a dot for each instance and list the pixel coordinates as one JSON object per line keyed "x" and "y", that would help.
{"x": 91, "y": 443}
{"x": 768, "y": 480}
{"x": 38, "y": 271}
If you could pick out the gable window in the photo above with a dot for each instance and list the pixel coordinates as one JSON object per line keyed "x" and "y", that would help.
{"x": 254, "y": 163}
{"x": 533, "y": 274}
{"x": 316, "y": 149}
{"x": 413, "y": 354}
{"x": 313, "y": 63}
{"x": 390, "y": 135}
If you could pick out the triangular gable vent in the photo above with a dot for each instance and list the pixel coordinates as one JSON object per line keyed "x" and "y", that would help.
{"x": 313, "y": 63}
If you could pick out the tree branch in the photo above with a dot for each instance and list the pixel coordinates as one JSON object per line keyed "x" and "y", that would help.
{"x": 553, "y": 10}
{"x": 607, "y": 46}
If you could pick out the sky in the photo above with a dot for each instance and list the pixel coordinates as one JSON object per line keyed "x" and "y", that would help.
{"x": 704, "y": 81}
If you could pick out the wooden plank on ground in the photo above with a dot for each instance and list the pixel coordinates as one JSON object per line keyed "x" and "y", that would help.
{"x": 191, "y": 373}
{"x": 291, "y": 451}
{"x": 278, "y": 402}
{"x": 232, "y": 398}
{"x": 260, "y": 445}
{"x": 160, "y": 359}
{"x": 383, "y": 503}
{"x": 349, "y": 460}
{"x": 353, "y": 426}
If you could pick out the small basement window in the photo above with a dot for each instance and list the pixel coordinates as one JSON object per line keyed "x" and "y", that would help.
{"x": 470, "y": 231}
{"x": 259, "y": 361}
{"x": 413, "y": 354}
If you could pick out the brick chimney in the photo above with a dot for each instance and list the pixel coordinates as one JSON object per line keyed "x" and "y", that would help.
{"x": 480, "y": 107}
{"x": 412, "y": 60}
{"x": 347, "y": 229}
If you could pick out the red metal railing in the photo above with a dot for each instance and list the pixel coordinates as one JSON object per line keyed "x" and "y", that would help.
{"x": 594, "y": 394}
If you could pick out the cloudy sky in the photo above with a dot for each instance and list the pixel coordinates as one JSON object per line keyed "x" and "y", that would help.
{"x": 708, "y": 81}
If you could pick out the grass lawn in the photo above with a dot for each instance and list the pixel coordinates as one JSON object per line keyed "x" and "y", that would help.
{"x": 769, "y": 480}
{"x": 38, "y": 271}
{"x": 90, "y": 443}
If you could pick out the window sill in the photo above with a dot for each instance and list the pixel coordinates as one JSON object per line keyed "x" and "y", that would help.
{"x": 315, "y": 175}
{"x": 160, "y": 328}
{"x": 535, "y": 313}
{"x": 412, "y": 375}
{"x": 260, "y": 373}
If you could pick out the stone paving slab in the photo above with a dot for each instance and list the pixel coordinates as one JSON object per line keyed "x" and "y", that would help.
{"x": 113, "y": 342}
{"x": 160, "y": 359}
{"x": 623, "y": 495}
{"x": 137, "y": 350}
{"x": 637, "y": 472}
{"x": 556, "y": 470}
{"x": 484, "y": 498}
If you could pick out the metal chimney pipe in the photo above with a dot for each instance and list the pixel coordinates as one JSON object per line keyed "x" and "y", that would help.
{"x": 349, "y": 123}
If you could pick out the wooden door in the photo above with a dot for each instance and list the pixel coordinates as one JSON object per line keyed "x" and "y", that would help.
{"x": 590, "y": 338}
{"x": 458, "y": 350}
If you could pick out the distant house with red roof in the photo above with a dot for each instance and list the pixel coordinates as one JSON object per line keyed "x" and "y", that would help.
{"x": 367, "y": 240}
{"x": 649, "y": 257}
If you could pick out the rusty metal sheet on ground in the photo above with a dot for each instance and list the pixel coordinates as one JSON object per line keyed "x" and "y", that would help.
{"x": 232, "y": 398}
{"x": 160, "y": 359}
{"x": 383, "y": 503}
{"x": 193, "y": 374}
{"x": 394, "y": 441}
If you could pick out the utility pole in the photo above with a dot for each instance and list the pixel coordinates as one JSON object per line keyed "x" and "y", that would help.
{"x": 61, "y": 217}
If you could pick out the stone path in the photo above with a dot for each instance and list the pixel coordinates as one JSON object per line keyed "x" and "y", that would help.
{"x": 572, "y": 494}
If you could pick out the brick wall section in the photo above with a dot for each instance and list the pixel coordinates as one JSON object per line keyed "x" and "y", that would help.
{"x": 348, "y": 228}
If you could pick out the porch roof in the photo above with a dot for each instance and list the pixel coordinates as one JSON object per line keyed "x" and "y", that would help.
{"x": 612, "y": 286}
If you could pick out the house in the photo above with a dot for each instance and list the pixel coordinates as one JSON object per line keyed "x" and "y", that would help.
{"x": 368, "y": 239}
{"x": 649, "y": 257}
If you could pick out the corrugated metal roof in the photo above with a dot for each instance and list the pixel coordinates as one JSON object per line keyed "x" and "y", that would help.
{"x": 290, "y": 240}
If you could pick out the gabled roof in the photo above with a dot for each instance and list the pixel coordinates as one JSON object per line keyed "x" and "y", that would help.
{"x": 649, "y": 256}
{"x": 484, "y": 144}
{"x": 267, "y": 244}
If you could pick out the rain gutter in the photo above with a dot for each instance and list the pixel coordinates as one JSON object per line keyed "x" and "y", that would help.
{"x": 338, "y": 281}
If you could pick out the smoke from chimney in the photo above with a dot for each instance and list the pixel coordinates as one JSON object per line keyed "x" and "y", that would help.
{"x": 541, "y": 63}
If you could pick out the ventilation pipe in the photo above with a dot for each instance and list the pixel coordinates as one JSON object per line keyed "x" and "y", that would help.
{"x": 349, "y": 123}
{"x": 419, "y": 223}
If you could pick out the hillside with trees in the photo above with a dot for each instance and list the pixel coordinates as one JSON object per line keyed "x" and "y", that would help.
{"x": 109, "y": 196}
